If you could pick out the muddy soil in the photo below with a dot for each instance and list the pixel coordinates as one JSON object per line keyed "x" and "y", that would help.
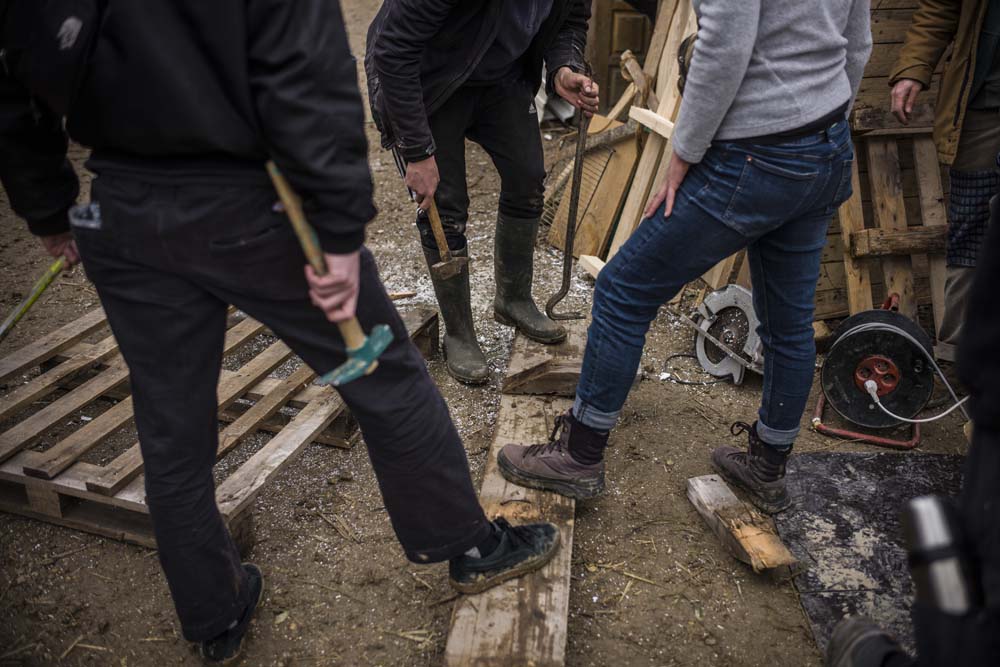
{"x": 68, "y": 597}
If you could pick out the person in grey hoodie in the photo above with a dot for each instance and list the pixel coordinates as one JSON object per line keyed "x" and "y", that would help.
{"x": 762, "y": 158}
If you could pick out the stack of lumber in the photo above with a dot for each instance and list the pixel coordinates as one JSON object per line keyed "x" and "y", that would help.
{"x": 887, "y": 239}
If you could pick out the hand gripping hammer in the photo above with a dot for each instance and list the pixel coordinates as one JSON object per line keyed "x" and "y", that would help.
{"x": 362, "y": 351}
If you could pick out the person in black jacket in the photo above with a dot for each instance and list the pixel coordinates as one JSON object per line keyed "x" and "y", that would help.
{"x": 182, "y": 104}
{"x": 441, "y": 71}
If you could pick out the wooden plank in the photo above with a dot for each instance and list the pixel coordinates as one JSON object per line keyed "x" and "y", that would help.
{"x": 718, "y": 276}
{"x": 535, "y": 368}
{"x": 47, "y": 382}
{"x": 911, "y": 241}
{"x": 656, "y": 147}
{"x": 48, "y": 346}
{"x": 239, "y": 489}
{"x": 591, "y": 264}
{"x": 932, "y": 214}
{"x": 595, "y": 166}
{"x": 851, "y": 219}
{"x": 652, "y": 120}
{"x": 746, "y": 534}
{"x": 634, "y": 74}
{"x": 890, "y": 214}
{"x": 597, "y": 223}
{"x": 869, "y": 119}
{"x": 520, "y": 622}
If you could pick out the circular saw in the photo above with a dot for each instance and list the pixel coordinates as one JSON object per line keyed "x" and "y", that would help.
{"x": 726, "y": 341}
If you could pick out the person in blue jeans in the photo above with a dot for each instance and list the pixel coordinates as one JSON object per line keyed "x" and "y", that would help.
{"x": 762, "y": 158}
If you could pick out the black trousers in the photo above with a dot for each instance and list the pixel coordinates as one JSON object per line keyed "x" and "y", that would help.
{"x": 502, "y": 119}
{"x": 166, "y": 261}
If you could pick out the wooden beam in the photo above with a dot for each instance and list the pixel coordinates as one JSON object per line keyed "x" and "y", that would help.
{"x": 523, "y": 621}
{"x": 851, "y": 218}
{"x": 634, "y": 74}
{"x": 910, "y": 241}
{"x": 880, "y": 119}
{"x": 889, "y": 210}
{"x": 932, "y": 214}
{"x": 746, "y": 534}
{"x": 591, "y": 264}
{"x": 652, "y": 120}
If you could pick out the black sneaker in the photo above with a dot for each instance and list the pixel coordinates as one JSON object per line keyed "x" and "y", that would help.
{"x": 522, "y": 549}
{"x": 225, "y": 648}
{"x": 858, "y": 642}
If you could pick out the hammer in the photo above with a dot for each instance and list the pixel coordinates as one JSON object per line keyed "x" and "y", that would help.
{"x": 362, "y": 351}
{"x": 447, "y": 266}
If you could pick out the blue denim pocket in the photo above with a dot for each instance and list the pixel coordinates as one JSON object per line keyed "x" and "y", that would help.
{"x": 845, "y": 187}
{"x": 771, "y": 189}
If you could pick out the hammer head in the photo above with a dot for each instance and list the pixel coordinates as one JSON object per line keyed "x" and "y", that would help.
{"x": 362, "y": 360}
{"x": 449, "y": 269}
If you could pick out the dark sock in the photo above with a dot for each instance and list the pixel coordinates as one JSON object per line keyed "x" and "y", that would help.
{"x": 586, "y": 445}
{"x": 487, "y": 546}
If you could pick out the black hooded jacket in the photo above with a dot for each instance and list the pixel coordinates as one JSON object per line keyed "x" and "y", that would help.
{"x": 420, "y": 51}
{"x": 189, "y": 91}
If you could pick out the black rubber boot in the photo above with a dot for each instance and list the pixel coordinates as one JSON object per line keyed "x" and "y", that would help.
{"x": 759, "y": 471}
{"x": 513, "y": 261}
{"x": 465, "y": 359}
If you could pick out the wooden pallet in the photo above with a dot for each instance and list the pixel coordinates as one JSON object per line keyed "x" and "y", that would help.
{"x": 56, "y": 485}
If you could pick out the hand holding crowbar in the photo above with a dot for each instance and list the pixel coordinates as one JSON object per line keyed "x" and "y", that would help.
{"x": 362, "y": 351}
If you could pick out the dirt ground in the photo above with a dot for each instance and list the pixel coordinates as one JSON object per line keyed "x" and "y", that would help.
{"x": 68, "y": 597}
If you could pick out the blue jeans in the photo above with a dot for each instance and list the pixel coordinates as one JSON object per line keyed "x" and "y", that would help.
{"x": 774, "y": 200}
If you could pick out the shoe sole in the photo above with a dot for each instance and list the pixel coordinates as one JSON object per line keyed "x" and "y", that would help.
{"x": 764, "y": 506}
{"x": 239, "y": 651}
{"x": 525, "y": 567}
{"x": 843, "y": 648}
{"x": 508, "y": 322}
{"x": 568, "y": 489}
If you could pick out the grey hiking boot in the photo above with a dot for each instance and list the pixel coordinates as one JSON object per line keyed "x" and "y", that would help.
{"x": 514, "y": 254}
{"x": 550, "y": 466}
{"x": 858, "y": 642}
{"x": 464, "y": 358}
{"x": 759, "y": 471}
{"x": 522, "y": 549}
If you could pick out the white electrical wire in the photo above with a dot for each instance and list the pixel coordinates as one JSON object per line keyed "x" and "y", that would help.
{"x": 872, "y": 389}
{"x": 879, "y": 326}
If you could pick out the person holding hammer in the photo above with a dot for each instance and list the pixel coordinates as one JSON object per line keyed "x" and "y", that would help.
{"x": 184, "y": 222}
{"x": 441, "y": 71}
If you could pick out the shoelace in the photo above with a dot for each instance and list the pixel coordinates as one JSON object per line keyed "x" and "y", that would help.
{"x": 555, "y": 439}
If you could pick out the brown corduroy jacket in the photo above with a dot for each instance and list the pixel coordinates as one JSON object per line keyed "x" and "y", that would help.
{"x": 936, "y": 24}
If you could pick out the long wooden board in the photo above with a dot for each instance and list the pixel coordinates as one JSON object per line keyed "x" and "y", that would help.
{"x": 521, "y": 622}
{"x": 890, "y": 214}
{"x": 50, "y": 345}
{"x": 932, "y": 214}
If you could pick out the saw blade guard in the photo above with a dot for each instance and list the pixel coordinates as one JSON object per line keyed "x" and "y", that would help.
{"x": 727, "y": 315}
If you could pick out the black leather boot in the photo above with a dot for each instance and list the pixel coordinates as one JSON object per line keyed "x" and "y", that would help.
{"x": 465, "y": 359}
{"x": 514, "y": 254}
{"x": 759, "y": 471}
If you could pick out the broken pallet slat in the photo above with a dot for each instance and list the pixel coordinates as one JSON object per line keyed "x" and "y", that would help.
{"x": 61, "y": 455}
{"x": 850, "y": 216}
{"x": 746, "y": 533}
{"x": 890, "y": 213}
{"x": 48, "y": 346}
{"x": 523, "y": 621}
{"x": 910, "y": 241}
{"x": 933, "y": 216}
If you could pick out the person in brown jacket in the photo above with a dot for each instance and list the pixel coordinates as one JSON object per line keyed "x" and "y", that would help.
{"x": 966, "y": 128}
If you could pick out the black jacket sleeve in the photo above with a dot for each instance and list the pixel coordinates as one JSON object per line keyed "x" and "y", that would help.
{"x": 569, "y": 47}
{"x": 35, "y": 173}
{"x": 305, "y": 88}
{"x": 408, "y": 27}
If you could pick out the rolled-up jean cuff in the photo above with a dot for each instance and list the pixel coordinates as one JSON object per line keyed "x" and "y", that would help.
{"x": 774, "y": 437}
{"x": 593, "y": 418}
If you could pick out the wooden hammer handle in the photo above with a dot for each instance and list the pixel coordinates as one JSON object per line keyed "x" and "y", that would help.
{"x": 438, "y": 229}
{"x": 293, "y": 207}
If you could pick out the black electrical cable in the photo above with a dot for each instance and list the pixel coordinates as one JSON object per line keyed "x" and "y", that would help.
{"x": 695, "y": 383}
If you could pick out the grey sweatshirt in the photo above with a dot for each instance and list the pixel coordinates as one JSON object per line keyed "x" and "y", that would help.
{"x": 767, "y": 66}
